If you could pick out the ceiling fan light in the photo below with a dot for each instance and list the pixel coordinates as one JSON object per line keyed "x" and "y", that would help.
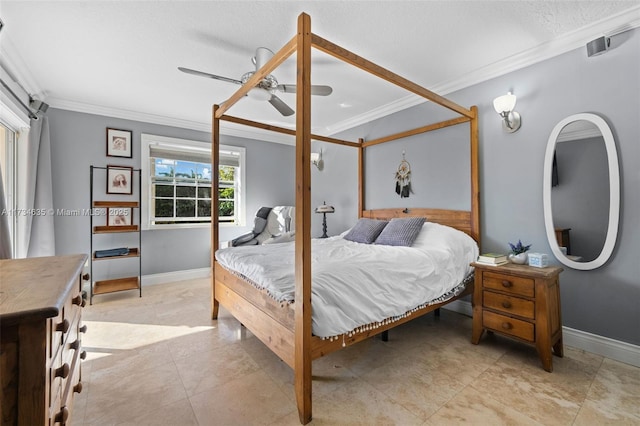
{"x": 259, "y": 94}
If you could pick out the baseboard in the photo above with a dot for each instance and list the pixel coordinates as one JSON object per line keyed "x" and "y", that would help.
{"x": 610, "y": 348}
{"x": 460, "y": 306}
{"x": 599, "y": 345}
{"x": 169, "y": 277}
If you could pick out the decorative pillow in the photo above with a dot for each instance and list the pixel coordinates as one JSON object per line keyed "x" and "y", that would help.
{"x": 366, "y": 230}
{"x": 401, "y": 232}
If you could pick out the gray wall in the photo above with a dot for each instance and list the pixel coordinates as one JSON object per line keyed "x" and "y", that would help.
{"x": 602, "y": 301}
{"x": 78, "y": 141}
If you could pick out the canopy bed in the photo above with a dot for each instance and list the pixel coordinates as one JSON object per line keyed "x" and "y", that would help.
{"x": 287, "y": 327}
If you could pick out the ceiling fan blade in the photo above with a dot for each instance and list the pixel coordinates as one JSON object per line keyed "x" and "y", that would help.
{"x": 283, "y": 108}
{"x": 315, "y": 90}
{"x": 207, "y": 75}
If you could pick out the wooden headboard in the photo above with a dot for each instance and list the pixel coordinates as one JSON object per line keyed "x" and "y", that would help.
{"x": 458, "y": 219}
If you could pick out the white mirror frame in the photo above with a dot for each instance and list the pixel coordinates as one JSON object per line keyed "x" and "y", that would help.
{"x": 614, "y": 192}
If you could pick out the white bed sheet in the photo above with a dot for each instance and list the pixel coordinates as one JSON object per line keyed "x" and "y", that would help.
{"x": 356, "y": 284}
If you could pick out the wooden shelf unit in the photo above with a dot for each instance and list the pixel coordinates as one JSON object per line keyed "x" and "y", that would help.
{"x": 133, "y": 252}
{"x": 110, "y": 285}
{"x": 115, "y": 229}
{"x": 117, "y": 284}
{"x": 116, "y": 204}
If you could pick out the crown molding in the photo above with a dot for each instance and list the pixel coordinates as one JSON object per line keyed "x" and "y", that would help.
{"x": 228, "y": 129}
{"x": 616, "y": 24}
{"x": 14, "y": 65}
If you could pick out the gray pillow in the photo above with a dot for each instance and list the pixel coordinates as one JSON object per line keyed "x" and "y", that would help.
{"x": 366, "y": 230}
{"x": 401, "y": 232}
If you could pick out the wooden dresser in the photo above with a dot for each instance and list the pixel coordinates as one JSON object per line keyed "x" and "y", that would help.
{"x": 41, "y": 327}
{"x": 522, "y": 302}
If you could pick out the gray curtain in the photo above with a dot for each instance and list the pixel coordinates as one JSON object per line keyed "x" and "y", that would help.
{"x": 39, "y": 238}
{"x": 5, "y": 241}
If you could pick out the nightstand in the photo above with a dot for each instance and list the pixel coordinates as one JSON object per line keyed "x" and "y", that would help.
{"x": 521, "y": 302}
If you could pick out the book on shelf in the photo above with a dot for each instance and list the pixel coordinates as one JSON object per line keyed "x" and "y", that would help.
{"x": 492, "y": 263}
{"x": 492, "y": 258}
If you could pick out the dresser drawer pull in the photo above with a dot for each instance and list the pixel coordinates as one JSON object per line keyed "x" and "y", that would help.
{"x": 83, "y": 329}
{"x": 506, "y": 283}
{"x": 78, "y": 300}
{"x": 62, "y": 416}
{"x": 78, "y": 388}
{"x": 507, "y": 325}
{"x": 83, "y": 354}
{"x": 506, "y": 304}
{"x": 63, "y": 371}
{"x": 63, "y": 326}
{"x": 75, "y": 345}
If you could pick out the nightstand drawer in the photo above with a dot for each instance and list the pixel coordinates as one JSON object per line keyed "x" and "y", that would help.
{"x": 507, "y": 325}
{"x": 508, "y": 304}
{"x": 519, "y": 286}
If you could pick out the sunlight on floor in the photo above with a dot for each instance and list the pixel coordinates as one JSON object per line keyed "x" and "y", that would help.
{"x": 110, "y": 337}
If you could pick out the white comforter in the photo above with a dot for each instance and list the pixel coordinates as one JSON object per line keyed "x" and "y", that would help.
{"x": 357, "y": 284}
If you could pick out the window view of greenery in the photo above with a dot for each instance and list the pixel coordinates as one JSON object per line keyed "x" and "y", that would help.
{"x": 181, "y": 192}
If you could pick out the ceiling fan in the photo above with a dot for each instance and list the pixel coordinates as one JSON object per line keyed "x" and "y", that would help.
{"x": 265, "y": 90}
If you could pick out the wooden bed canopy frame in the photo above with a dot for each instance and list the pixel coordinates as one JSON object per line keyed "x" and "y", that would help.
{"x": 286, "y": 330}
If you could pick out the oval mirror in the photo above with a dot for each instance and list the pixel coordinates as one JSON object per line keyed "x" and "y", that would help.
{"x": 581, "y": 191}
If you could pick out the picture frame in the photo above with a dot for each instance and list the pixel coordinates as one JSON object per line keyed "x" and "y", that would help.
{"x": 120, "y": 216}
{"x": 118, "y": 143}
{"x": 119, "y": 180}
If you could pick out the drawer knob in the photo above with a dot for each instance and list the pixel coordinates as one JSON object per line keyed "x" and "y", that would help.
{"x": 86, "y": 277}
{"x": 62, "y": 416}
{"x": 506, "y": 283}
{"x": 78, "y": 388}
{"x": 75, "y": 345}
{"x": 83, "y": 354}
{"x": 79, "y": 300}
{"x": 506, "y": 304}
{"x": 83, "y": 329}
{"x": 507, "y": 325}
{"x": 63, "y": 371}
{"x": 63, "y": 326}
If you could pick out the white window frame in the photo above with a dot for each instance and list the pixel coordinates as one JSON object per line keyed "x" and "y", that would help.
{"x": 17, "y": 123}
{"x": 148, "y": 141}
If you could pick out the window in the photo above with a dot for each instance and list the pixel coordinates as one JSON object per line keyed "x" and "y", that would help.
{"x": 8, "y": 160}
{"x": 176, "y": 183}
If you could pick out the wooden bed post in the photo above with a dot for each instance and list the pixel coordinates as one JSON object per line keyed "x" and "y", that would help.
{"x": 475, "y": 177}
{"x": 302, "y": 303}
{"x": 215, "y": 162}
{"x": 360, "y": 177}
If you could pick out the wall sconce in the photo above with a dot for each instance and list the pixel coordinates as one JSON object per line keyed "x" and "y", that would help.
{"x": 316, "y": 160}
{"x": 504, "y": 106}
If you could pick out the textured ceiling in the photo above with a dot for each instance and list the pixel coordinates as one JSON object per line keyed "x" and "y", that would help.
{"x": 120, "y": 58}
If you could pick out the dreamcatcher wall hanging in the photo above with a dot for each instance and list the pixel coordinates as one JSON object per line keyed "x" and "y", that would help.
{"x": 403, "y": 178}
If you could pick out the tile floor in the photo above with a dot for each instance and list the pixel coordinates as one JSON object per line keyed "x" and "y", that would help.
{"x": 160, "y": 360}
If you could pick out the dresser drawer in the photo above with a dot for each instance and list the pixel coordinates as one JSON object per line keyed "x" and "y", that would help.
{"x": 519, "y": 286}
{"x": 507, "y": 325}
{"x": 508, "y": 304}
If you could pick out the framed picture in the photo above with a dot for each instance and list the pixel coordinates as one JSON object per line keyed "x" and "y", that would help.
{"x": 118, "y": 143}
{"x": 119, "y": 180}
{"x": 120, "y": 216}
